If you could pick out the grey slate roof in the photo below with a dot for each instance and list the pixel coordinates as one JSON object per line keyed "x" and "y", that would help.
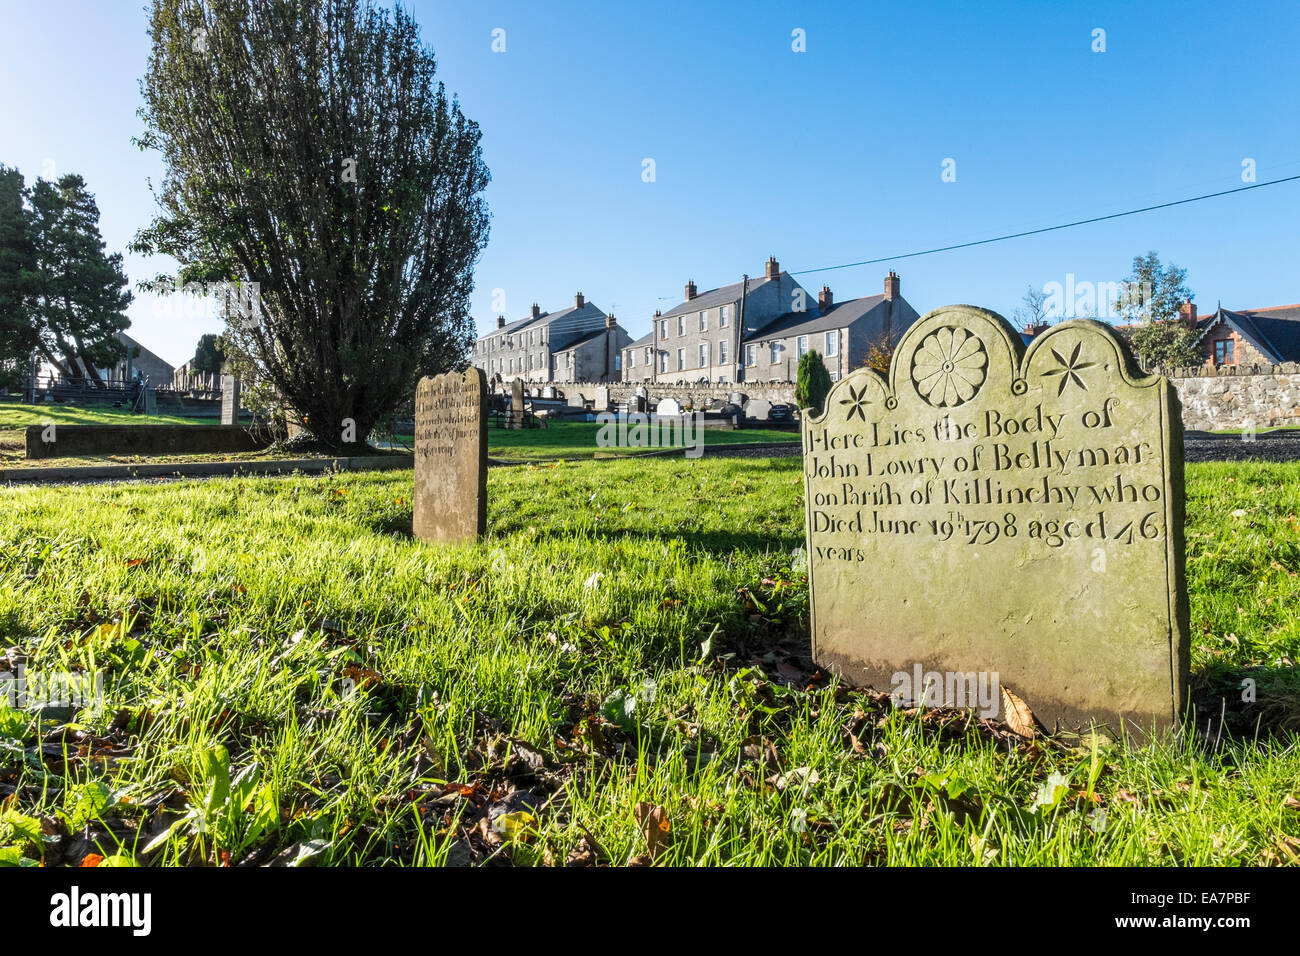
{"x": 643, "y": 341}
{"x": 714, "y": 297}
{"x": 1275, "y": 332}
{"x": 837, "y": 316}
{"x": 562, "y": 319}
{"x": 581, "y": 340}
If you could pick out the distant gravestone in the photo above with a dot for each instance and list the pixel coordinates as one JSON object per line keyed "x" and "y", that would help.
{"x": 759, "y": 409}
{"x": 517, "y": 403}
{"x": 601, "y": 401}
{"x": 150, "y": 400}
{"x": 451, "y": 457}
{"x": 575, "y": 400}
{"x": 737, "y": 398}
{"x": 1006, "y": 516}
{"x": 641, "y": 400}
{"x": 229, "y": 400}
{"x": 668, "y": 406}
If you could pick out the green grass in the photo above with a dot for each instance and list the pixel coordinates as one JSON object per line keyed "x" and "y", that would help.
{"x": 619, "y": 648}
{"x": 578, "y": 440}
{"x": 20, "y": 416}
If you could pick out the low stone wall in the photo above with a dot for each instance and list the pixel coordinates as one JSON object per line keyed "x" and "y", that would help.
{"x": 696, "y": 396}
{"x": 94, "y": 440}
{"x": 1239, "y": 396}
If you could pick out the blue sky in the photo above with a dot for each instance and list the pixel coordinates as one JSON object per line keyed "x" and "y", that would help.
{"x": 822, "y": 157}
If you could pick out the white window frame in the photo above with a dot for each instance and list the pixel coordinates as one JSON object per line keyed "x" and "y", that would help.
{"x": 704, "y": 355}
{"x": 722, "y": 351}
{"x": 722, "y": 316}
{"x": 751, "y": 357}
{"x": 832, "y": 343}
{"x": 681, "y": 360}
{"x": 774, "y": 353}
{"x": 681, "y": 325}
{"x": 704, "y": 321}
{"x": 801, "y": 346}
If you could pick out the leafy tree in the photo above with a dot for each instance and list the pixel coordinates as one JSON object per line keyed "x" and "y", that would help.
{"x": 82, "y": 293}
{"x": 208, "y": 354}
{"x": 310, "y": 151}
{"x": 813, "y": 382}
{"x": 18, "y": 277}
{"x": 1151, "y": 298}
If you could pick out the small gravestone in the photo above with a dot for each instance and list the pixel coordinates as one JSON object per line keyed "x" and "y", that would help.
{"x": 759, "y": 409}
{"x": 601, "y": 401}
{"x": 229, "y": 400}
{"x": 575, "y": 400}
{"x": 737, "y": 398}
{"x": 1005, "y": 516}
{"x": 668, "y": 406}
{"x": 451, "y": 457}
{"x": 517, "y": 403}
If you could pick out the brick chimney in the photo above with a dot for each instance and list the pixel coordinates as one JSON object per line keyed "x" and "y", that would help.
{"x": 690, "y": 290}
{"x": 891, "y": 285}
{"x": 1187, "y": 313}
{"x": 610, "y": 321}
{"x": 773, "y": 268}
{"x": 537, "y": 312}
{"x": 579, "y": 301}
{"x": 501, "y": 321}
{"x": 1035, "y": 328}
{"x": 824, "y": 298}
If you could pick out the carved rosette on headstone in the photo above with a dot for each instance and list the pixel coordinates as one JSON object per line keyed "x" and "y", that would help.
{"x": 450, "y": 500}
{"x": 1004, "y": 515}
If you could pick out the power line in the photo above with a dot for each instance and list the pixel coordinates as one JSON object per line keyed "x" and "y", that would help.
{"x": 1035, "y": 232}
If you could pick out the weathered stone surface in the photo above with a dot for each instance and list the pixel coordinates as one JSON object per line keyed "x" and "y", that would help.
{"x": 65, "y": 441}
{"x": 451, "y": 457}
{"x": 517, "y": 403}
{"x": 759, "y": 409}
{"x": 998, "y": 510}
{"x": 229, "y": 400}
{"x": 668, "y": 406}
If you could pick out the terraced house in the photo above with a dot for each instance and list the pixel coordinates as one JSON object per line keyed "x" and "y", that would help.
{"x": 577, "y": 344}
{"x": 756, "y": 330}
{"x": 1269, "y": 336}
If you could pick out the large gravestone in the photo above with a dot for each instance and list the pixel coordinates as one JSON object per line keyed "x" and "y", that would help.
{"x": 229, "y": 400}
{"x": 517, "y": 403}
{"x": 451, "y": 457}
{"x": 991, "y": 510}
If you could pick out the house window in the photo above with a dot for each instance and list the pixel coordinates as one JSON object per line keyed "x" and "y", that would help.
{"x": 802, "y": 345}
{"x": 647, "y": 357}
{"x": 722, "y": 351}
{"x": 704, "y": 354}
{"x": 663, "y": 361}
{"x": 832, "y": 343}
{"x": 663, "y": 328}
{"x": 774, "y": 352}
{"x": 1225, "y": 352}
{"x": 722, "y": 317}
{"x": 681, "y": 325}
{"x": 704, "y": 321}
{"x": 750, "y": 358}
{"x": 631, "y": 360}
{"x": 618, "y": 363}
{"x": 681, "y": 359}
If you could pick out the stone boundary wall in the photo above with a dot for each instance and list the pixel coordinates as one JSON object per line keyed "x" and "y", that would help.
{"x": 1238, "y": 396}
{"x": 93, "y": 440}
{"x": 697, "y": 396}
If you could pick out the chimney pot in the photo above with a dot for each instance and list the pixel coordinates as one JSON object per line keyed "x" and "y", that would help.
{"x": 773, "y": 268}
{"x": 891, "y": 285}
{"x": 536, "y": 311}
{"x": 690, "y": 290}
{"x": 1187, "y": 312}
{"x": 501, "y": 321}
{"x": 610, "y": 321}
{"x": 825, "y": 299}
{"x": 579, "y": 301}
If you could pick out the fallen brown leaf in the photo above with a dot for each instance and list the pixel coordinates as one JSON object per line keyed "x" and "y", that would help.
{"x": 1018, "y": 715}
